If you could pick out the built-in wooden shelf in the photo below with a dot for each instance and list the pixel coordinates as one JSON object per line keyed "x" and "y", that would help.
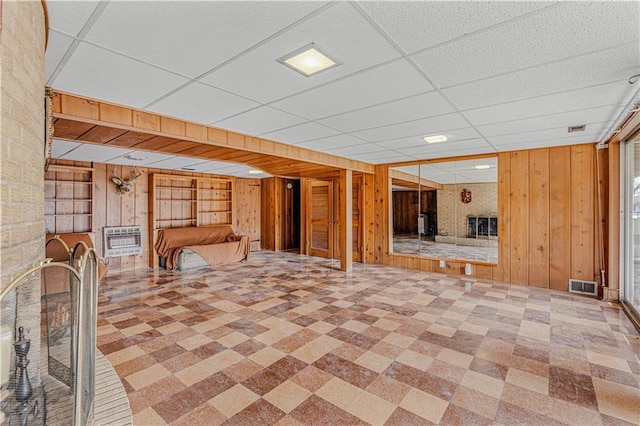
{"x": 68, "y": 199}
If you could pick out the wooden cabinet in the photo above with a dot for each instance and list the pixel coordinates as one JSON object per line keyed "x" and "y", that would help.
{"x": 68, "y": 199}
{"x": 179, "y": 201}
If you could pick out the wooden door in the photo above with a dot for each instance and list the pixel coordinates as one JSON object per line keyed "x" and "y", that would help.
{"x": 321, "y": 218}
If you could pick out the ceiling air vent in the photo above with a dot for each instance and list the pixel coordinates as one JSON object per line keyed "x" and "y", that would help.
{"x": 577, "y": 128}
{"x": 583, "y": 287}
{"x": 122, "y": 241}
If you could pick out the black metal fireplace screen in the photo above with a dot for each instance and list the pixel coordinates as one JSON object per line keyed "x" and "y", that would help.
{"x": 68, "y": 317}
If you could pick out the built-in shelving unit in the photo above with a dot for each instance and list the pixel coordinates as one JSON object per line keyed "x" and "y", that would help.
{"x": 68, "y": 199}
{"x": 178, "y": 201}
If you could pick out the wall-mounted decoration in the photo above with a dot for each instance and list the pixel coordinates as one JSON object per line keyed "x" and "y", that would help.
{"x": 124, "y": 186}
{"x": 465, "y": 196}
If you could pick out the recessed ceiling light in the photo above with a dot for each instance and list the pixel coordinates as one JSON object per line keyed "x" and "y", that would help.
{"x": 579, "y": 128}
{"x": 483, "y": 167}
{"x": 256, "y": 172}
{"x": 435, "y": 138}
{"x": 308, "y": 60}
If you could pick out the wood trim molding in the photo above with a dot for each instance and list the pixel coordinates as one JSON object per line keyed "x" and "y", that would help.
{"x": 412, "y": 181}
{"x": 443, "y": 159}
{"x": 93, "y": 121}
{"x": 45, "y": 9}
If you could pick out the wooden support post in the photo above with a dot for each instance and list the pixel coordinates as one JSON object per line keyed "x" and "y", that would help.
{"x": 346, "y": 219}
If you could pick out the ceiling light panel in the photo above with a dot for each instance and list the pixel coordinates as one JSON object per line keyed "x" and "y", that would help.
{"x": 453, "y": 136}
{"x": 202, "y": 104}
{"x": 386, "y": 83}
{"x": 330, "y": 29}
{"x": 176, "y": 34}
{"x": 309, "y": 60}
{"x": 568, "y": 27}
{"x": 402, "y": 110}
{"x": 260, "y": 120}
{"x": 122, "y": 80}
{"x": 435, "y": 138}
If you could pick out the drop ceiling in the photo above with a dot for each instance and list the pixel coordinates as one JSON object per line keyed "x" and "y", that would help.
{"x": 491, "y": 76}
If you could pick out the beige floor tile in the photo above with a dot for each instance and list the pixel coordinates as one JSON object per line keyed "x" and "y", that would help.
{"x": 233, "y": 339}
{"x": 399, "y": 339}
{"x": 123, "y": 355}
{"x": 355, "y": 326}
{"x": 424, "y": 405}
{"x": 339, "y": 393}
{"x": 529, "y": 381}
{"x": 148, "y": 417}
{"x": 455, "y": 358}
{"x": 313, "y": 351}
{"x": 373, "y": 361}
{"x": 371, "y": 408}
{"x": 619, "y": 401}
{"x": 386, "y": 324}
{"x": 485, "y": 384}
{"x": 287, "y": 396}
{"x": 415, "y": 359}
{"x": 147, "y": 376}
{"x": 321, "y": 327}
{"x": 136, "y": 329}
{"x": 534, "y": 330}
{"x": 193, "y": 342}
{"x": 266, "y": 356}
{"x": 442, "y": 330}
{"x": 233, "y": 400}
{"x": 608, "y": 361}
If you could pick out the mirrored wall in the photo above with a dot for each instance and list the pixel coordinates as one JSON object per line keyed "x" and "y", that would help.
{"x": 446, "y": 210}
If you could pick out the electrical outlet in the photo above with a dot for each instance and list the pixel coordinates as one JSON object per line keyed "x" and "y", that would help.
{"x": 442, "y": 264}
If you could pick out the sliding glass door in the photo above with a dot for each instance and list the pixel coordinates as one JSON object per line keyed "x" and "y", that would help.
{"x": 630, "y": 162}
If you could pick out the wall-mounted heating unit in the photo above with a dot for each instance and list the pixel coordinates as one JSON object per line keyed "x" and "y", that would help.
{"x": 122, "y": 241}
{"x": 583, "y": 287}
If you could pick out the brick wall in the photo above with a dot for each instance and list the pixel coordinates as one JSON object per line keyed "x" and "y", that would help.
{"x": 21, "y": 162}
{"x": 452, "y": 212}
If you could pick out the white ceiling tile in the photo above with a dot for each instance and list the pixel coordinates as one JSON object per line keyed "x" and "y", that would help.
{"x": 332, "y": 142}
{"x": 417, "y": 25}
{"x": 575, "y": 100}
{"x": 402, "y": 110}
{"x": 175, "y": 162}
{"x": 202, "y": 104}
{"x": 591, "y": 133}
{"x": 70, "y": 16}
{"x": 60, "y": 147}
{"x": 341, "y": 31}
{"x": 301, "y": 133}
{"x": 568, "y": 140}
{"x": 192, "y": 37}
{"x": 56, "y": 48}
{"x": 347, "y": 151}
{"x": 434, "y": 150}
{"x": 452, "y": 136}
{"x": 572, "y": 28}
{"x": 100, "y": 74}
{"x": 387, "y": 155}
{"x": 91, "y": 152}
{"x": 389, "y": 159}
{"x": 385, "y": 83}
{"x": 566, "y": 119}
{"x": 140, "y": 158}
{"x": 587, "y": 70}
{"x": 425, "y": 126}
{"x": 260, "y": 120}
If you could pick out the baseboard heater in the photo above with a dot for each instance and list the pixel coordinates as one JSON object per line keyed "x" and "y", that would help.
{"x": 122, "y": 241}
{"x": 583, "y": 287}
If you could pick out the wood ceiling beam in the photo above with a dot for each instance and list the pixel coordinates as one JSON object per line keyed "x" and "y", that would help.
{"x": 88, "y": 120}
{"x": 412, "y": 181}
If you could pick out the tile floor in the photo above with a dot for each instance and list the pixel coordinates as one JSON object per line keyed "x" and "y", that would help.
{"x": 286, "y": 339}
{"x": 410, "y": 244}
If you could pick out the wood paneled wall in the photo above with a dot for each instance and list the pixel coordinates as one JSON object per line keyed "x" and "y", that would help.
{"x": 547, "y": 204}
{"x": 549, "y": 224}
{"x": 111, "y": 209}
{"x": 406, "y": 208}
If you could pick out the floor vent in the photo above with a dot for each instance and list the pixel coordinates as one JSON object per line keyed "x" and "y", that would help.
{"x": 583, "y": 287}
{"x": 122, "y": 241}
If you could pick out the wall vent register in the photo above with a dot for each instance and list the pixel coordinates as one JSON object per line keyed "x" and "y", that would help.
{"x": 583, "y": 287}
{"x": 122, "y": 241}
